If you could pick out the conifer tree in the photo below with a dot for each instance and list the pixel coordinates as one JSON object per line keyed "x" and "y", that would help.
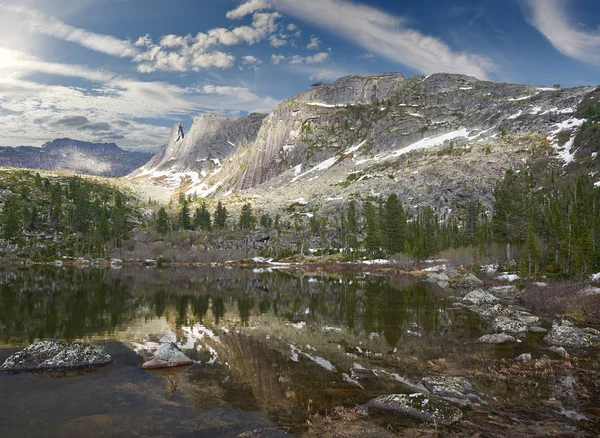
{"x": 202, "y": 220}
{"x": 10, "y": 218}
{"x": 162, "y": 221}
{"x": 220, "y": 217}
{"x": 183, "y": 219}
{"x": 395, "y": 225}
{"x": 247, "y": 219}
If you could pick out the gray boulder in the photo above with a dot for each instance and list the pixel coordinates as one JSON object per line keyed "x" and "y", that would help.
{"x": 418, "y": 406}
{"x": 469, "y": 280}
{"x": 479, "y": 297}
{"x": 56, "y": 355}
{"x": 167, "y": 356}
{"x": 565, "y": 334}
{"x": 456, "y": 390}
{"x": 496, "y": 338}
{"x": 525, "y": 357}
{"x": 504, "y": 324}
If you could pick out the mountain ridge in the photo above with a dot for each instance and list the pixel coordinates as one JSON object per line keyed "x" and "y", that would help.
{"x": 65, "y": 154}
{"x": 442, "y": 137}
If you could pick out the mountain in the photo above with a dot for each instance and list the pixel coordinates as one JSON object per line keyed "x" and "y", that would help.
{"x": 102, "y": 159}
{"x": 438, "y": 140}
{"x": 199, "y": 154}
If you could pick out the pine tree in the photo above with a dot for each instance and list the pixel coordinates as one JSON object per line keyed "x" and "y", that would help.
{"x": 351, "y": 226}
{"x": 395, "y": 225}
{"x": 10, "y": 218}
{"x": 183, "y": 220}
{"x": 247, "y": 219}
{"x": 202, "y": 220}
{"x": 162, "y": 221}
{"x": 221, "y": 214}
{"x": 266, "y": 222}
{"x": 37, "y": 182}
{"x": 373, "y": 231}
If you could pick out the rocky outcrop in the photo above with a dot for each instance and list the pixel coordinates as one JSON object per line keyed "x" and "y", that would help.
{"x": 102, "y": 159}
{"x": 565, "y": 334}
{"x": 167, "y": 356}
{"x": 418, "y": 406}
{"x": 56, "y": 355}
{"x": 496, "y": 338}
{"x": 214, "y": 144}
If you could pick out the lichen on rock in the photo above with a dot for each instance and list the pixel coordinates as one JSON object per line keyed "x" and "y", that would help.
{"x": 56, "y": 355}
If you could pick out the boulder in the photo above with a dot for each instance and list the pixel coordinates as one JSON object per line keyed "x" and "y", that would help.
{"x": 504, "y": 324}
{"x": 479, "y": 297}
{"x": 525, "y": 357}
{"x": 468, "y": 280}
{"x": 565, "y": 334}
{"x": 496, "y": 338}
{"x": 537, "y": 329}
{"x": 418, "y": 406}
{"x": 456, "y": 390}
{"x": 437, "y": 277}
{"x": 56, "y": 355}
{"x": 167, "y": 356}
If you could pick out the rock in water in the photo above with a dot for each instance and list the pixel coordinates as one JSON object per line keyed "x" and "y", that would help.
{"x": 418, "y": 406}
{"x": 167, "y": 356}
{"x": 497, "y": 338}
{"x": 565, "y": 334}
{"x": 56, "y": 355}
{"x": 457, "y": 390}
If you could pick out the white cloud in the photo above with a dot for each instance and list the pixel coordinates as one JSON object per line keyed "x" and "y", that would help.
{"x": 29, "y": 110}
{"x": 317, "y": 58}
{"x": 276, "y": 59}
{"x": 38, "y": 22}
{"x": 183, "y": 53}
{"x": 387, "y": 35}
{"x": 251, "y": 60}
{"x": 551, "y": 18}
{"x": 314, "y": 43}
{"x": 246, "y": 8}
{"x": 292, "y": 27}
{"x": 277, "y": 41}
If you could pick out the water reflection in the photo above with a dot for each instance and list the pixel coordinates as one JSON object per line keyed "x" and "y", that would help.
{"x": 69, "y": 303}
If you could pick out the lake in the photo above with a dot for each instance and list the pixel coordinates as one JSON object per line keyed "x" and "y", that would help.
{"x": 269, "y": 346}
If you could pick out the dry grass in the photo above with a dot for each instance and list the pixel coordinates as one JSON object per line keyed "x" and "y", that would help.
{"x": 437, "y": 365}
{"x": 564, "y": 298}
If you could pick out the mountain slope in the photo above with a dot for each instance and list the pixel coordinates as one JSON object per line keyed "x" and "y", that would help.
{"x": 438, "y": 140}
{"x": 101, "y": 159}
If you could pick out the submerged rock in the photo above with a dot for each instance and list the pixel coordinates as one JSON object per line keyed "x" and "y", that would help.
{"x": 496, "y": 338}
{"x": 565, "y": 334}
{"x": 56, "y": 355}
{"x": 537, "y": 329}
{"x": 418, "y": 406}
{"x": 167, "y": 356}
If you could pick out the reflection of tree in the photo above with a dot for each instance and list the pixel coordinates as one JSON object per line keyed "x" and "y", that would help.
{"x": 200, "y": 306}
{"x": 43, "y": 302}
{"x": 218, "y": 308}
{"x": 181, "y": 305}
{"x": 264, "y": 306}
{"x": 159, "y": 302}
{"x": 245, "y": 306}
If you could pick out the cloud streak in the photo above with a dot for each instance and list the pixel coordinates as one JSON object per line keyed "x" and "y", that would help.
{"x": 387, "y": 35}
{"x": 38, "y": 22}
{"x": 551, "y": 18}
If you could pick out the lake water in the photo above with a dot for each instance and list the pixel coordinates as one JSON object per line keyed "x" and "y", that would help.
{"x": 267, "y": 344}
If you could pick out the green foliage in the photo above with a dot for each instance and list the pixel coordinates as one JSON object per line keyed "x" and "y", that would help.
{"x": 221, "y": 215}
{"x": 202, "y": 220}
{"x": 247, "y": 218}
{"x": 394, "y": 223}
{"x": 162, "y": 221}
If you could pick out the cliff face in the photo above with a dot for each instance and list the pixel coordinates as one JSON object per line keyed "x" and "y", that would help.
{"x": 441, "y": 139}
{"x": 102, "y": 159}
{"x": 190, "y": 157}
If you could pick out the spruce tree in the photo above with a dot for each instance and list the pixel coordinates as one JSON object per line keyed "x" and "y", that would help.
{"x": 10, "y": 218}
{"x": 247, "y": 219}
{"x": 183, "y": 220}
{"x": 162, "y": 221}
{"x": 202, "y": 220}
{"x": 220, "y": 217}
{"x": 395, "y": 225}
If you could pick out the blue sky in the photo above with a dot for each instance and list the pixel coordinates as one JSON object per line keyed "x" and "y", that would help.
{"x": 126, "y": 70}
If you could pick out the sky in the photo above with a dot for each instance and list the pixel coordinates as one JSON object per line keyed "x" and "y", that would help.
{"x": 125, "y": 71}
